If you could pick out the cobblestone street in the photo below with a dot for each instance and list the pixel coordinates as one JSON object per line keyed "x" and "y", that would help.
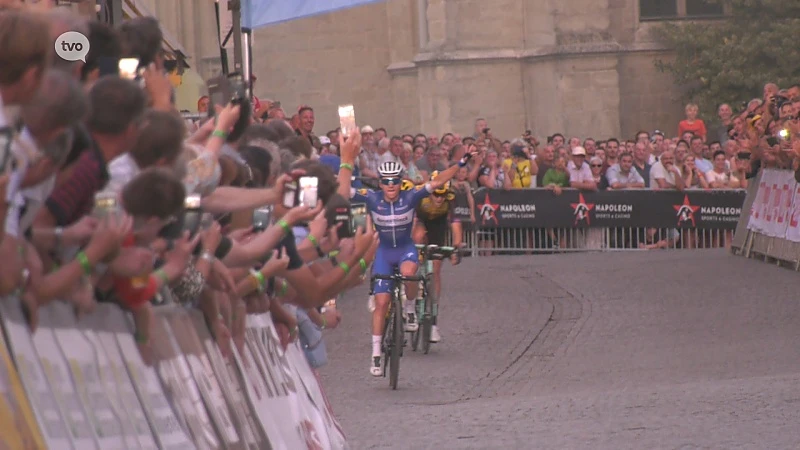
{"x": 622, "y": 350}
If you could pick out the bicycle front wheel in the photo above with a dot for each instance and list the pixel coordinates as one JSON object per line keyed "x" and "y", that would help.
{"x": 398, "y": 332}
{"x": 427, "y": 324}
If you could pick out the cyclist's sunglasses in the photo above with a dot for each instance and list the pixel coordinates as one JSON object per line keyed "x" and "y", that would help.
{"x": 436, "y": 194}
{"x": 390, "y": 181}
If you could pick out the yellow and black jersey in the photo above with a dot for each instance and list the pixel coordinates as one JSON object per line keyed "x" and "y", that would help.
{"x": 427, "y": 211}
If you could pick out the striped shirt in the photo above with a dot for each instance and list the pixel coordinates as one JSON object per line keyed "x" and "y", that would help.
{"x": 74, "y": 198}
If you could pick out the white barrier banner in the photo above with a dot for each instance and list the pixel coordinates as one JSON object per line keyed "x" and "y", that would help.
{"x": 83, "y": 384}
{"x": 118, "y": 386}
{"x": 47, "y": 410}
{"x": 776, "y": 208}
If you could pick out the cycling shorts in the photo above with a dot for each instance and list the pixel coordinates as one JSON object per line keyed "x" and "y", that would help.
{"x": 386, "y": 259}
{"x": 436, "y": 230}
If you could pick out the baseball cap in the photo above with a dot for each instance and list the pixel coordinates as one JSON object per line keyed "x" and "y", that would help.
{"x": 367, "y": 129}
{"x": 579, "y": 151}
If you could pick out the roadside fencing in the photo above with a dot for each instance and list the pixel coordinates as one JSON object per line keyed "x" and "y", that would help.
{"x": 80, "y": 383}
{"x": 538, "y": 221}
{"x": 770, "y": 226}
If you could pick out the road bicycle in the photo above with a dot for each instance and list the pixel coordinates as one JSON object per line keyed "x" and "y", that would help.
{"x": 428, "y": 309}
{"x": 393, "y": 338}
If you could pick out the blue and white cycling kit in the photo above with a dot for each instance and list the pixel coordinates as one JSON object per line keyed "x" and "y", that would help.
{"x": 394, "y": 222}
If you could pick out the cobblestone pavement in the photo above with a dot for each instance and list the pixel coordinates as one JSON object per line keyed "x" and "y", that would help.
{"x": 651, "y": 350}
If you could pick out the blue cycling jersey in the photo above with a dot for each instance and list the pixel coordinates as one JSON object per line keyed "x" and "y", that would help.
{"x": 394, "y": 221}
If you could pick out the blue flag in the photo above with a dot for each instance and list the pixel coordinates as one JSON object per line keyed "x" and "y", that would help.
{"x": 260, "y": 13}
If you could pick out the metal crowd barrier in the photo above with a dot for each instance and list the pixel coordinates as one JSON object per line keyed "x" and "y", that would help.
{"x": 519, "y": 241}
{"x": 531, "y": 221}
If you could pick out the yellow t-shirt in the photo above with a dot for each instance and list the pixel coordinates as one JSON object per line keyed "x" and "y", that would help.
{"x": 522, "y": 177}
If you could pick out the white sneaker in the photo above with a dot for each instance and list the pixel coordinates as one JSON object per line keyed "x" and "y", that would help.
{"x": 411, "y": 322}
{"x": 371, "y": 303}
{"x": 376, "y": 366}
{"x": 435, "y": 336}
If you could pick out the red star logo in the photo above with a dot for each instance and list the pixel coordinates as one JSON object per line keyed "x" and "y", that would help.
{"x": 685, "y": 211}
{"x": 488, "y": 211}
{"x": 581, "y": 210}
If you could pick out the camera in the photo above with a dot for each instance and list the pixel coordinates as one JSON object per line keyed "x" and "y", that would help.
{"x": 262, "y": 217}
{"x": 358, "y": 214}
{"x": 193, "y": 214}
{"x": 303, "y": 192}
{"x": 743, "y": 155}
{"x": 485, "y": 130}
{"x": 105, "y": 204}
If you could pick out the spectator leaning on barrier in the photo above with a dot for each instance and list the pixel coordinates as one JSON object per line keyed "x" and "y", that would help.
{"x": 623, "y": 176}
{"x": 580, "y": 175}
{"x": 665, "y": 174}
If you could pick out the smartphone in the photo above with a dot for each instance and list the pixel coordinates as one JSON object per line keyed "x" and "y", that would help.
{"x": 105, "y": 204}
{"x": 262, "y": 218}
{"x": 6, "y": 138}
{"x": 308, "y": 191}
{"x": 784, "y": 134}
{"x": 358, "y": 214}
{"x": 343, "y": 219}
{"x": 743, "y": 155}
{"x": 128, "y": 68}
{"x": 192, "y": 215}
{"x": 347, "y": 119}
{"x": 290, "y": 195}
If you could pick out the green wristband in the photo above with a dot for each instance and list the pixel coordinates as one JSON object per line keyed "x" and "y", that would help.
{"x": 284, "y": 288}
{"x": 363, "y": 265}
{"x": 260, "y": 281}
{"x": 285, "y": 225}
{"x": 313, "y": 240}
{"x": 324, "y": 323}
{"x": 162, "y": 275}
{"x": 346, "y": 166}
{"x": 85, "y": 264}
{"x": 220, "y": 134}
{"x": 343, "y": 265}
{"x": 140, "y": 338}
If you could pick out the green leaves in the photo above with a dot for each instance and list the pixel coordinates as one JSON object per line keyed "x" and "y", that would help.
{"x": 729, "y": 61}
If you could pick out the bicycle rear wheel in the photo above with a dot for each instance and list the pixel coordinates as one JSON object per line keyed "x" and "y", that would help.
{"x": 397, "y": 338}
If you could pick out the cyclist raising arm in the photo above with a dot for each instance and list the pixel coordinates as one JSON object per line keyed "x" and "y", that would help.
{"x": 392, "y": 214}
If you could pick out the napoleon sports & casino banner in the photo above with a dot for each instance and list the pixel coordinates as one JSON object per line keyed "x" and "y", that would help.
{"x": 82, "y": 384}
{"x": 541, "y": 208}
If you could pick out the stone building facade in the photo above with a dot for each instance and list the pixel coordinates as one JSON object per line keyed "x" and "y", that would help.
{"x": 580, "y": 67}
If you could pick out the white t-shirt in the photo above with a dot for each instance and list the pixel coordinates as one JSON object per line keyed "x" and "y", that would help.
{"x": 713, "y": 176}
{"x": 579, "y": 175}
{"x": 659, "y": 171}
{"x": 32, "y": 198}
{"x": 121, "y": 171}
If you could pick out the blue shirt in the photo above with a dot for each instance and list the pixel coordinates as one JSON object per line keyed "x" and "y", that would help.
{"x": 394, "y": 221}
{"x": 334, "y": 162}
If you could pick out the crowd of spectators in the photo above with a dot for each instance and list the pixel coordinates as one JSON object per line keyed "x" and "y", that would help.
{"x": 107, "y": 196}
{"x": 100, "y": 172}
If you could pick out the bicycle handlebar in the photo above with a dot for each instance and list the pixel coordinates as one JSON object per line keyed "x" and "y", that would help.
{"x": 436, "y": 252}
{"x": 397, "y": 277}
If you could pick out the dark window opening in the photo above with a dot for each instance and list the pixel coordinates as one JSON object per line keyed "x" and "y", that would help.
{"x": 700, "y": 8}
{"x": 658, "y": 9}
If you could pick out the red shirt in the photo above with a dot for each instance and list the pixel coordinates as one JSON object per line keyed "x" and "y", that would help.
{"x": 697, "y": 128}
{"x": 136, "y": 291}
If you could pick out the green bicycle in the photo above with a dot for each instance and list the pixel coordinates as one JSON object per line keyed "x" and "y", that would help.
{"x": 429, "y": 307}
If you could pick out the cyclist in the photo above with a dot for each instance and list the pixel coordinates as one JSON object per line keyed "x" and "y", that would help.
{"x": 392, "y": 211}
{"x": 433, "y": 216}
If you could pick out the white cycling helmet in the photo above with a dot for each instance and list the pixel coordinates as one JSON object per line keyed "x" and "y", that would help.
{"x": 390, "y": 169}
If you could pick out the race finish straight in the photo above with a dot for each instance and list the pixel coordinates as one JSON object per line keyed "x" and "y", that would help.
{"x": 72, "y": 46}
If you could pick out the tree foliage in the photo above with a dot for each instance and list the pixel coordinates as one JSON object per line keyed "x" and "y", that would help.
{"x": 730, "y": 60}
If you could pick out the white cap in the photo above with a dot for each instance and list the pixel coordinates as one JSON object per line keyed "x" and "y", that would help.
{"x": 367, "y": 129}
{"x": 324, "y": 140}
{"x": 579, "y": 151}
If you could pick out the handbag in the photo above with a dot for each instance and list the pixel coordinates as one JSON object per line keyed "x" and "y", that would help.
{"x": 311, "y": 340}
